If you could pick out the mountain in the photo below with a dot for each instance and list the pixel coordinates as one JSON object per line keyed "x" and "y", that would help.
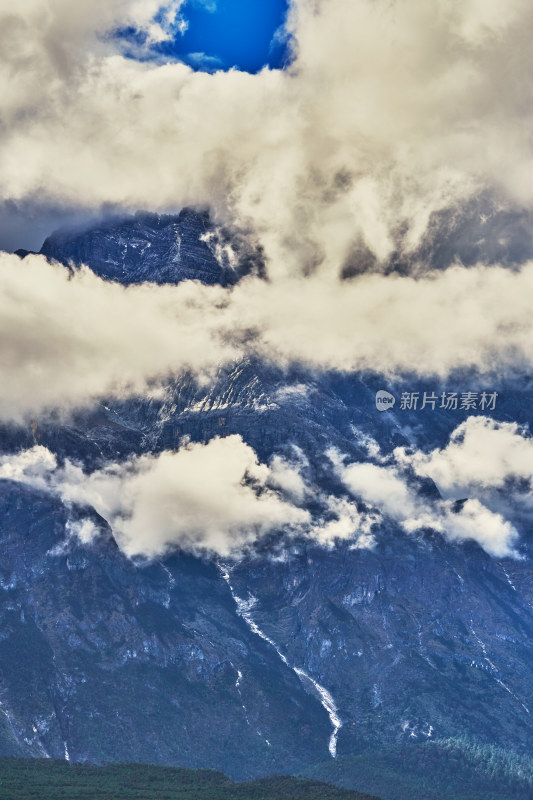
{"x": 299, "y": 657}
{"x": 157, "y": 249}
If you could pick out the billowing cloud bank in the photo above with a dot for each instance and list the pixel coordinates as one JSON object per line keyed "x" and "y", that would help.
{"x": 390, "y": 111}
{"x": 68, "y": 338}
{"x": 218, "y": 498}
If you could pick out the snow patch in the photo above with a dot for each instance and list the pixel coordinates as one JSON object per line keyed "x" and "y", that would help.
{"x": 329, "y": 704}
{"x": 509, "y": 581}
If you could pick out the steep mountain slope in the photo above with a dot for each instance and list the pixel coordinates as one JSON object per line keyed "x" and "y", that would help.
{"x": 105, "y": 660}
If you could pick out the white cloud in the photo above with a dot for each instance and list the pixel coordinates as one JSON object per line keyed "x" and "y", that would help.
{"x": 381, "y": 487}
{"x": 287, "y": 476}
{"x": 390, "y": 490}
{"x": 344, "y": 522}
{"x": 218, "y": 497}
{"x": 29, "y": 466}
{"x": 85, "y": 530}
{"x": 472, "y": 318}
{"x": 211, "y": 497}
{"x": 483, "y": 458}
{"x": 68, "y": 338}
{"x": 475, "y": 521}
{"x": 215, "y": 497}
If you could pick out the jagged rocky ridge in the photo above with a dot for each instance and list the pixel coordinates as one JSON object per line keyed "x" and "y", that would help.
{"x": 196, "y": 663}
{"x": 156, "y": 248}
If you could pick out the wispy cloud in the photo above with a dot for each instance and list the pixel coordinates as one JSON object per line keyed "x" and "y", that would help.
{"x": 208, "y": 63}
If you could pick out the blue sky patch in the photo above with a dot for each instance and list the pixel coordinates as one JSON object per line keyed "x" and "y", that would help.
{"x": 221, "y": 34}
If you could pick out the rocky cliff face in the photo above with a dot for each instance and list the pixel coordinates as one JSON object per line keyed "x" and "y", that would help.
{"x": 102, "y": 659}
{"x": 415, "y": 639}
{"x": 286, "y": 658}
{"x": 157, "y": 249}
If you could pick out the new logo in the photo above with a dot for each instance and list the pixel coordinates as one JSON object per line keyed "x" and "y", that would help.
{"x": 384, "y": 400}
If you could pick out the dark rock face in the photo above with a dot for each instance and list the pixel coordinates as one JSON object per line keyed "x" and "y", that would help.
{"x": 104, "y": 660}
{"x": 107, "y": 659}
{"x": 415, "y": 640}
{"x": 482, "y": 232}
{"x": 157, "y": 249}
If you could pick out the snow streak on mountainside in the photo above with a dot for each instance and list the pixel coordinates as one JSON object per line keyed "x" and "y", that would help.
{"x": 244, "y": 608}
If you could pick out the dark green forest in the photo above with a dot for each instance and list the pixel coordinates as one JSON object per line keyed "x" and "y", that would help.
{"x": 445, "y": 769}
{"x": 40, "y": 779}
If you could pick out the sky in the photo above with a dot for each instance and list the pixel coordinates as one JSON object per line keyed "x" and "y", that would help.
{"x": 353, "y": 147}
{"x": 225, "y": 34}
